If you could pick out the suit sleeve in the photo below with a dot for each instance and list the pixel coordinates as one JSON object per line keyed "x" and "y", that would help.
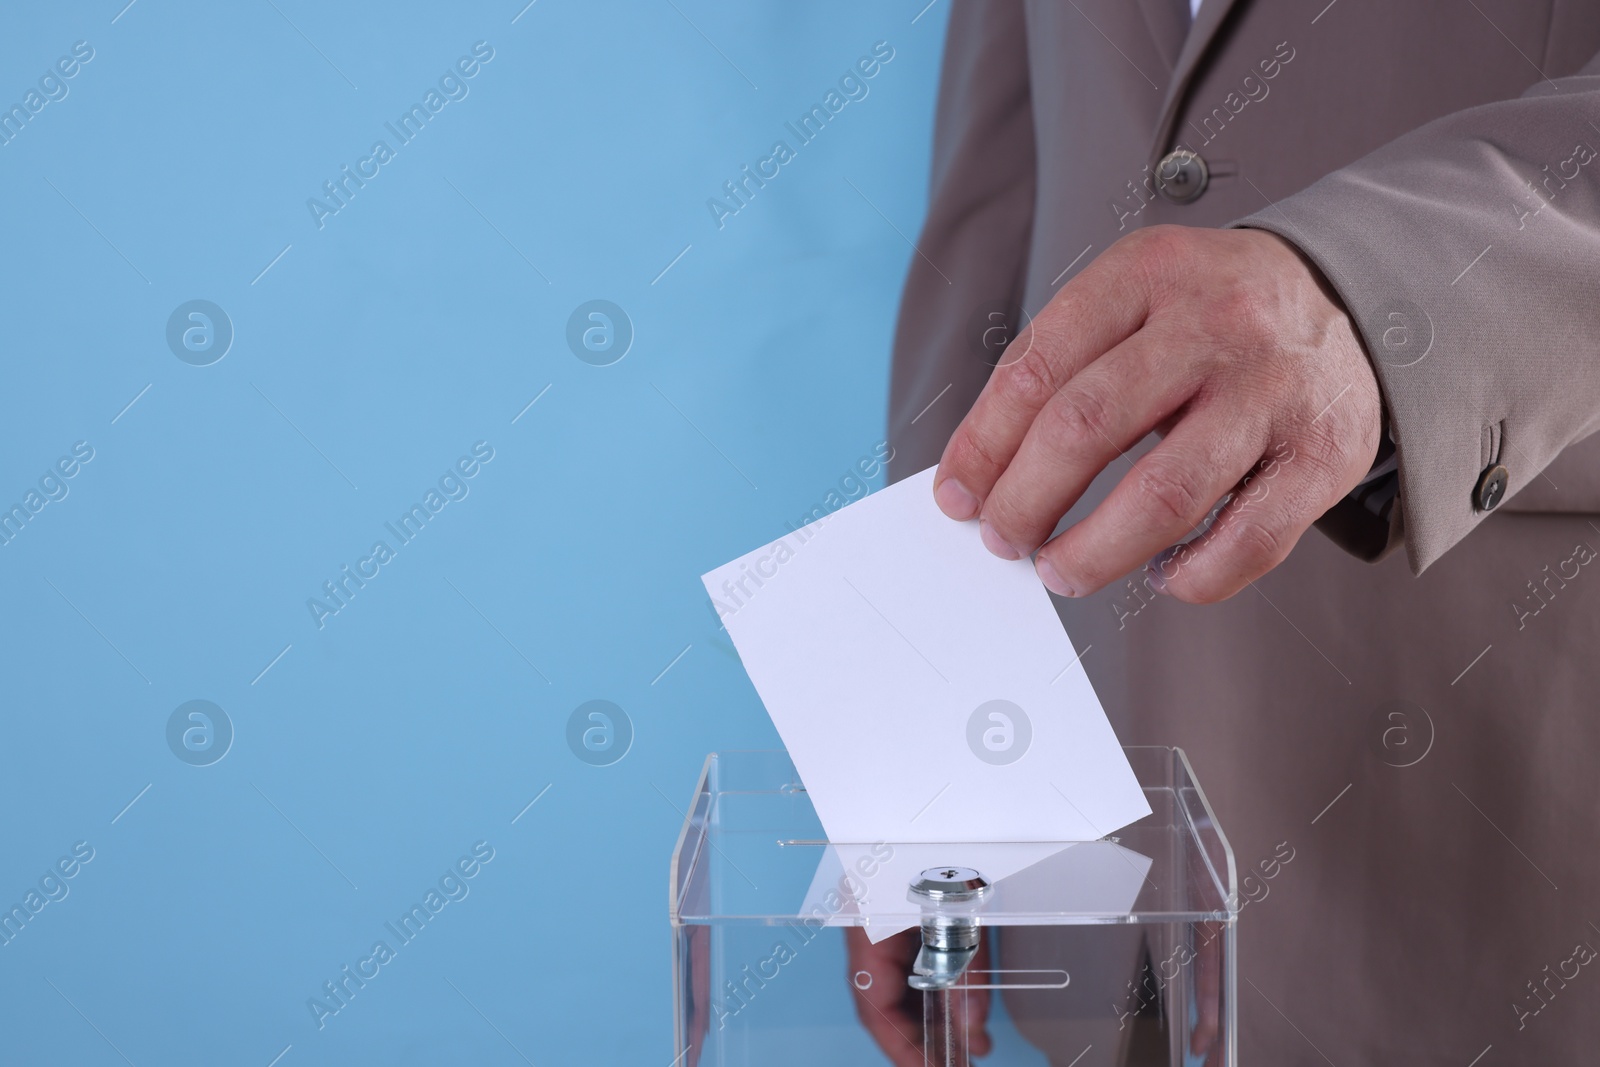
{"x": 974, "y": 243}
{"x": 1468, "y": 254}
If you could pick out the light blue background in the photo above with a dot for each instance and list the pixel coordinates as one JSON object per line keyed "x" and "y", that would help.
{"x": 366, "y": 360}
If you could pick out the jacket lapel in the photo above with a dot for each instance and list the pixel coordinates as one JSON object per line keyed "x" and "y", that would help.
{"x": 1213, "y": 13}
{"x": 1168, "y": 22}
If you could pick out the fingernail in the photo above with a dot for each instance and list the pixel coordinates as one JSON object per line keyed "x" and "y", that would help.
{"x": 995, "y": 543}
{"x": 1052, "y": 581}
{"x": 955, "y": 500}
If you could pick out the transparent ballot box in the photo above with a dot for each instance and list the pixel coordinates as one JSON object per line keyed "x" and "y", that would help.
{"x": 790, "y": 949}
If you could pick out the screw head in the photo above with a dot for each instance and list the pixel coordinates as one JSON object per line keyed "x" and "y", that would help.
{"x": 951, "y": 884}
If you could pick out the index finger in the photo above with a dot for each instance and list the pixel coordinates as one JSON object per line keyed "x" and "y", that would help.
{"x": 1092, "y": 314}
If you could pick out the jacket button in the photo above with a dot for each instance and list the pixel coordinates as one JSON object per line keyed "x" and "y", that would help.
{"x": 1491, "y": 488}
{"x": 1181, "y": 176}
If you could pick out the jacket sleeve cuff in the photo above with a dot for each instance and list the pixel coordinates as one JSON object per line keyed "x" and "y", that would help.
{"x": 1436, "y": 420}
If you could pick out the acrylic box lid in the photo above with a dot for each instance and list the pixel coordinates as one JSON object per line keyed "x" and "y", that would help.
{"x": 752, "y": 851}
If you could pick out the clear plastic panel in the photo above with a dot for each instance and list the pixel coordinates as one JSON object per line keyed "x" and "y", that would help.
{"x": 789, "y": 949}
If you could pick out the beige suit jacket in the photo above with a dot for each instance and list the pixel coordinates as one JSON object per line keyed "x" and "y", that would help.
{"x": 1427, "y": 743}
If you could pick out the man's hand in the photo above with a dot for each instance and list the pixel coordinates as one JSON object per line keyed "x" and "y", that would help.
{"x": 1227, "y": 343}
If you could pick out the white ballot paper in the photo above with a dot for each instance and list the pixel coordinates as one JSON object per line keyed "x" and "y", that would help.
{"x": 925, "y": 690}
